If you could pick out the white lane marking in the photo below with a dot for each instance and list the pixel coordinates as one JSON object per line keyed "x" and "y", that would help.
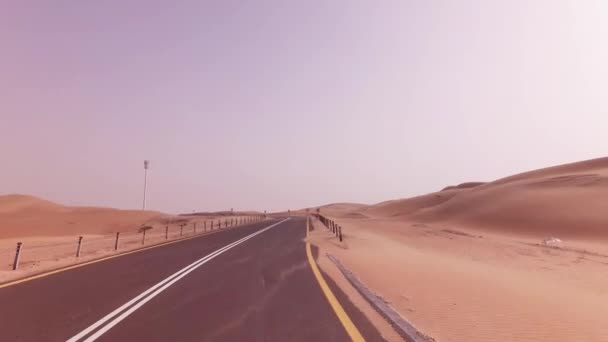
{"x": 154, "y": 290}
{"x": 132, "y": 301}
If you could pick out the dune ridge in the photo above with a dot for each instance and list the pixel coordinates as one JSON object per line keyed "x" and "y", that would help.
{"x": 567, "y": 200}
{"x": 14, "y": 203}
{"x": 24, "y": 215}
{"x": 471, "y": 262}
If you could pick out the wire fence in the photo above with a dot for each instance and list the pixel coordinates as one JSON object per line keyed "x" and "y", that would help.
{"x": 32, "y": 256}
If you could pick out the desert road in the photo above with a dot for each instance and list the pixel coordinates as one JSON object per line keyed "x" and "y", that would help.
{"x": 253, "y": 283}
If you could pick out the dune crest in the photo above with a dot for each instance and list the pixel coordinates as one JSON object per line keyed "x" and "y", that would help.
{"x": 24, "y": 215}
{"x": 565, "y": 201}
{"x": 16, "y": 203}
{"x": 522, "y": 258}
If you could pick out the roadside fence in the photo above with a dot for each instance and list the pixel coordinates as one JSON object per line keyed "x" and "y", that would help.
{"x": 331, "y": 225}
{"x": 73, "y": 250}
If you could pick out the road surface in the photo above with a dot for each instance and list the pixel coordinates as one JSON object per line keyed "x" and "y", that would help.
{"x": 252, "y": 283}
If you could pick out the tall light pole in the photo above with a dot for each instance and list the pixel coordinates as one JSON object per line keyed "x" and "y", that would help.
{"x": 146, "y": 166}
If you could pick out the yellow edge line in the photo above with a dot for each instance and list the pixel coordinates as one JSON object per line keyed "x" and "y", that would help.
{"x": 23, "y": 280}
{"x": 347, "y": 323}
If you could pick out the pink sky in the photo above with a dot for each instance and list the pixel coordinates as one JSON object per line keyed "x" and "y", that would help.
{"x": 283, "y": 104}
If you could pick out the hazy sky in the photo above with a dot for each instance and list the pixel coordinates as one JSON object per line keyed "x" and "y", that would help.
{"x": 284, "y": 104}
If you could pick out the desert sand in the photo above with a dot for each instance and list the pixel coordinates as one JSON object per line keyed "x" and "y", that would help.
{"x": 475, "y": 262}
{"x": 26, "y": 216}
{"x": 50, "y": 232}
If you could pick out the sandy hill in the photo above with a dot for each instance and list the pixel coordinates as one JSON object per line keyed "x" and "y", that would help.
{"x": 484, "y": 240}
{"x": 22, "y": 215}
{"x": 20, "y": 203}
{"x": 566, "y": 201}
{"x": 344, "y": 210}
{"x": 343, "y": 206}
{"x": 222, "y": 213}
{"x": 466, "y": 185}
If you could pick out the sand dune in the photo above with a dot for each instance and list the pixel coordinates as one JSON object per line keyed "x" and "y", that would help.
{"x": 344, "y": 210}
{"x": 50, "y": 232}
{"x": 11, "y": 204}
{"x": 567, "y": 201}
{"x": 22, "y": 216}
{"x": 352, "y": 210}
{"x": 466, "y": 185}
{"x": 344, "y": 207}
{"x": 468, "y": 263}
{"x": 409, "y": 206}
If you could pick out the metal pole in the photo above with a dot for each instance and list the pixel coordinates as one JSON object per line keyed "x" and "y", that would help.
{"x": 340, "y": 232}
{"x": 181, "y": 230}
{"x": 17, "y": 255}
{"x": 194, "y": 227}
{"x": 166, "y": 232}
{"x": 79, "y": 246}
{"x": 116, "y": 242}
{"x": 146, "y": 163}
{"x": 143, "y": 206}
{"x": 143, "y": 237}
{"x": 205, "y": 226}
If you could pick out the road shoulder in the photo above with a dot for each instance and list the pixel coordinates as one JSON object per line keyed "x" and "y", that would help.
{"x": 321, "y": 240}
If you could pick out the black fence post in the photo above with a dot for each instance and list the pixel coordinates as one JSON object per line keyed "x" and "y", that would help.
{"x": 116, "y": 242}
{"x": 166, "y": 232}
{"x": 79, "y": 246}
{"x": 17, "y": 256}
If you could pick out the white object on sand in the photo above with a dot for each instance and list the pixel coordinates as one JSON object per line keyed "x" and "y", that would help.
{"x": 552, "y": 241}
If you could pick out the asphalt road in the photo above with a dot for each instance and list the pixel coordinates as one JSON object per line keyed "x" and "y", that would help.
{"x": 252, "y": 283}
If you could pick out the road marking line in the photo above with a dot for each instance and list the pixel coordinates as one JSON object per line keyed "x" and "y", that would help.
{"x": 347, "y": 323}
{"x": 67, "y": 268}
{"x": 152, "y": 292}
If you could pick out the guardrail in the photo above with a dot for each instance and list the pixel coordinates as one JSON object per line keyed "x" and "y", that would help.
{"x": 94, "y": 246}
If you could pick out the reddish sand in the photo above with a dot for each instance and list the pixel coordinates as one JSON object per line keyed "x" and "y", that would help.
{"x": 468, "y": 263}
{"x": 49, "y": 232}
{"x": 22, "y": 216}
